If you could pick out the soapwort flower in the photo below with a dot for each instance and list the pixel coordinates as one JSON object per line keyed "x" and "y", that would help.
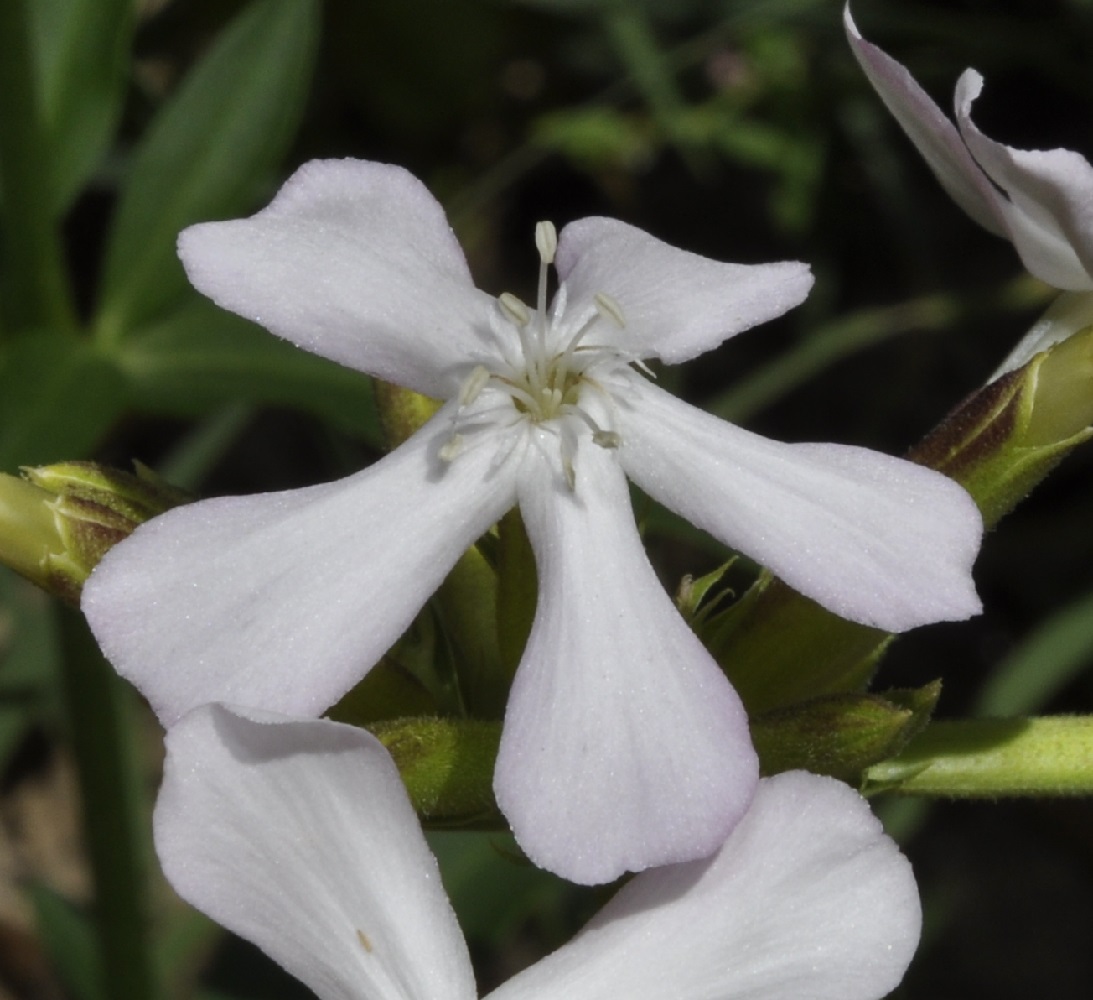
{"x": 624, "y": 746}
{"x": 298, "y": 836}
{"x": 1040, "y": 200}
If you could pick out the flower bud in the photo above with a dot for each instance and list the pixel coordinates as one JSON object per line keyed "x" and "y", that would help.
{"x": 58, "y": 521}
{"x": 842, "y": 735}
{"x": 780, "y": 648}
{"x": 1005, "y": 438}
{"x": 402, "y": 412}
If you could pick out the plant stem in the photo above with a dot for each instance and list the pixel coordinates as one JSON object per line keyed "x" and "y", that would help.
{"x": 99, "y": 709}
{"x": 991, "y": 758}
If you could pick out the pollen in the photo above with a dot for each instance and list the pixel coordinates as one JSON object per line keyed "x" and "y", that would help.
{"x": 556, "y": 371}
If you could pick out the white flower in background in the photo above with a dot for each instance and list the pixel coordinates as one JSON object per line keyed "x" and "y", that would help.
{"x": 624, "y": 746}
{"x": 1040, "y": 200}
{"x": 298, "y": 836}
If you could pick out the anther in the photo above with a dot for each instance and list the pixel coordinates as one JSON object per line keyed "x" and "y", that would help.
{"x": 451, "y": 448}
{"x": 609, "y": 308}
{"x": 569, "y": 472}
{"x": 476, "y": 382}
{"x": 607, "y": 439}
{"x": 514, "y": 309}
{"x": 546, "y": 241}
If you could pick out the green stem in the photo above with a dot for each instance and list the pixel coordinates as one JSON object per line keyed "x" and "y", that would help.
{"x": 99, "y": 708}
{"x": 991, "y": 758}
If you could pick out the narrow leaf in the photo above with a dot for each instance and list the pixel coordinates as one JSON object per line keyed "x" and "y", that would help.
{"x": 207, "y": 153}
{"x": 82, "y": 56}
{"x": 200, "y": 358}
{"x": 58, "y": 397}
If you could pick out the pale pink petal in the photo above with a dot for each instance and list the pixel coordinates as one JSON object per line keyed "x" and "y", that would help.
{"x": 354, "y": 261}
{"x": 298, "y": 836}
{"x": 807, "y": 899}
{"x": 873, "y": 538}
{"x": 283, "y": 601}
{"x": 935, "y": 137}
{"x": 624, "y": 746}
{"x": 1051, "y": 198}
{"x": 676, "y": 305}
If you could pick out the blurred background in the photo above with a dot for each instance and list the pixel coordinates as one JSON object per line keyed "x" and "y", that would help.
{"x": 739, "y": 129}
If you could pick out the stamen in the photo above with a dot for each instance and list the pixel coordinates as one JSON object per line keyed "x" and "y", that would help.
{"x": 607, "y": 439}
{"x": 546, "y": 241}
{"x": 474, "y": 385}
{"x": 451, "y": 448}
{"x": 609, "y": 308}
{"x": 569, "y": 472}
{"x": 514, "y": 309}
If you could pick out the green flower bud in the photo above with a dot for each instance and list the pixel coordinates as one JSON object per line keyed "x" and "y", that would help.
{"x": 402, "y": 411}
{"x": 780, "y": 648}
{"x": 842, "y": 735}
{"x": 1005, "y": 438}
{"x": 58, "y": 521}
{"x": 447, "y": 767}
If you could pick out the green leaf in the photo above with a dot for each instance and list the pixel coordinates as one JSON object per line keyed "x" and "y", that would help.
{"x": 208, "y": 153}
{"x": 81, "y": 50}
{"x": 69, "y": 941}
{"x": 201, "y": 357}
{"x": 35, "y": 285}
{"x": 58, "y": 397}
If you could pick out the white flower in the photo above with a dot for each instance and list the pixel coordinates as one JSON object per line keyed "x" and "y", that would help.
{"x": 1040, "y": 200}
{"x": 298, "y": 836}
{"x": 624, "y": 746}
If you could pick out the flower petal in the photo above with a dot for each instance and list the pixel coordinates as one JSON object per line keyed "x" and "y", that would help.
{"x": 873, "y": 538}
{"x": 354, "y": 261}
{"x": 807, "y": 898}
{"x": 283, "y": 601}
{"x": 298, "y": 836}
{"x": 676, "y": 304}
{"x": 1051, "y": 192}
{"x": 624, "y": 746}
{"x": 934, "y": 136}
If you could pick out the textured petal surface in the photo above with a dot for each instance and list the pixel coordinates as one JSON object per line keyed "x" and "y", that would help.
{"x": 1051, "y": 192}
{"x": 808, "y": 899}
{"x": 873, "y": 538}
{"x": 934, "y": 136}
{"x": 354, "y": 261}
{"x": 298, "y": 837}
{"x": 624, "y": 745}
{"x": 283, "y": 601}
{"x": 676, "y": 304}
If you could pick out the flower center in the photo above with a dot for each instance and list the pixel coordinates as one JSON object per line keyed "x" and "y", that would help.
{"x": 548, "y": 373}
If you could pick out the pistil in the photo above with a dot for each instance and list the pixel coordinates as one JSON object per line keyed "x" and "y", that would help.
{"x": 544, "y": 381}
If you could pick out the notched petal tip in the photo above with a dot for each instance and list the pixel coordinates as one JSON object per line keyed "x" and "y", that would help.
{"x": 664, "y": 772}
{"x": 354, "y": 261}
{"x": 677, "y": 304}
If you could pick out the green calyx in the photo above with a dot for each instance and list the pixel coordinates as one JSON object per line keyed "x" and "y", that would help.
{"x": 58, "y": 521}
